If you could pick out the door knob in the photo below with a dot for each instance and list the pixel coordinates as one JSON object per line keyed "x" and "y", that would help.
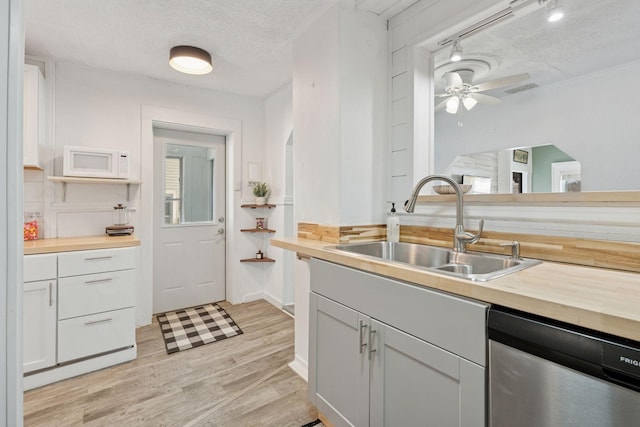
{"x": 220, "y": 230}
{"x": 221, "y": 219}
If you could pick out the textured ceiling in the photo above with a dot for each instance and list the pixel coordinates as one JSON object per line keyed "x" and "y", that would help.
{"x": 594, "y": 35}
{"x": 250, "y": 40}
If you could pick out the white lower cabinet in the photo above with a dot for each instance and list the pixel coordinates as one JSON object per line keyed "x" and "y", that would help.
{"x": 372, "y": 362}
{"x": 39, "y": 312}
{"x": 83, "y": 318}
{"x": 39, "y": 325}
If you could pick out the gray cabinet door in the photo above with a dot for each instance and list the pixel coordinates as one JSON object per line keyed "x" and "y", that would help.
{"x": 338, "y": 362}
{"x": 414, "y": 383}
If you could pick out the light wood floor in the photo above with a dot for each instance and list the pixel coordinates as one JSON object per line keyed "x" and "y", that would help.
{"x": 240, "y": 381}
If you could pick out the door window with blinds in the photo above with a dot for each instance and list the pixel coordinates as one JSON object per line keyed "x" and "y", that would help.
{"x": 189, "y": 190}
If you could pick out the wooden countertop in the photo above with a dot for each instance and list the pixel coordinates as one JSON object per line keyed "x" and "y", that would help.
{"x": 67, "y": 244}
{"x": 595, "y": 298}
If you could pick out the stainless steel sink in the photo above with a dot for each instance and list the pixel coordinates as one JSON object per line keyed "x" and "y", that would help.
{"x": 470, "y": 265}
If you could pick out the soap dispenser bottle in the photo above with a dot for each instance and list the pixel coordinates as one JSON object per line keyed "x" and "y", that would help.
{"x": 393, "y": 225}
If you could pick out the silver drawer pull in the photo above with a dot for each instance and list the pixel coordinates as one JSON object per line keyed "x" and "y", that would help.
{"x": 93, "y": 282}
{"x": 372, "y": 335}
{"x": 98, "y": 258}
{"x": 361, "y": 332}
{"x": 94, "y": 322}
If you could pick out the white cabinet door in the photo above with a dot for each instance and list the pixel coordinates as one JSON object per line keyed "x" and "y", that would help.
{"x": 39, "y": 325}
{"x": 33, "y": 105}
{"x": 415, "y": 383}
{"x": 338, "y": 362}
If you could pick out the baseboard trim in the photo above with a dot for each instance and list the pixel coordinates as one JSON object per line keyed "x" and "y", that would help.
{"x": 271, "y": 300}
{"x": 300, "y": 367}
{"x": 79, "y": 368}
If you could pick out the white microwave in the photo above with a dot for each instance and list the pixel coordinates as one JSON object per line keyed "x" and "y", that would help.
{"x": 95, "y": 162}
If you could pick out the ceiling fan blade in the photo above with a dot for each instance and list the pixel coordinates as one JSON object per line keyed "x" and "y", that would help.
{"x": 442, "y": 95}
{"x": 484, "y": 99}
{"x": 441, "y": 105}
{"x": 452, "y": 79}
{"x": 498, "y": 83}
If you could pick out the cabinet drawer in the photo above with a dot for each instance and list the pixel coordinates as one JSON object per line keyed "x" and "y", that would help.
{"x": 95, "y": 293}
{"x": 94, "y": 334}
{"x": 40, "y": 267}
{"x": 96, "y": 261}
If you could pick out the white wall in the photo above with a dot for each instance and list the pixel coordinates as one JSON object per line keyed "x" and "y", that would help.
{"x": 340, "y": 131}
{"x": 340, "y": 113}
{"x": 316, "y": 120}
{"x": 278, "y": 127}
{"x": 99, "y": 108}
{"x": 586, "y": 117}
{"x": 363, "y": 118}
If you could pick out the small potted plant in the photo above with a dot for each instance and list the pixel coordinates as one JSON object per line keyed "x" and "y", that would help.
{"x": 261, "y": 191}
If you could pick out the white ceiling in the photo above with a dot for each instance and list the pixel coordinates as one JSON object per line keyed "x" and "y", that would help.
{"x": 250, "y": 40}
{"x": 594, "y": 35}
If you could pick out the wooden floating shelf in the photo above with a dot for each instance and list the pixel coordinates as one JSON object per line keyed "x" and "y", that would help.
{"x": 258, "y": 260}
{"x": 254, "y": 206}
{"x": 257, "y": 230}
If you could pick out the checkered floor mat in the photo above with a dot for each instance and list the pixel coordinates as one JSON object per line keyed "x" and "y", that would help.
{"x": 193, "y": 327}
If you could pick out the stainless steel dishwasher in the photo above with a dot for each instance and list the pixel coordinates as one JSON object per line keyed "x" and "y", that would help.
{"x": 544, "y": 373}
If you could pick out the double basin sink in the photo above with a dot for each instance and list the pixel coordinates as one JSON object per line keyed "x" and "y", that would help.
{"x": 472, "y": 266}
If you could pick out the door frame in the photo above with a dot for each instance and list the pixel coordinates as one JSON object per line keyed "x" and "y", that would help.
{"x": 158, "y": 117}
{"x": 11, "y": 206}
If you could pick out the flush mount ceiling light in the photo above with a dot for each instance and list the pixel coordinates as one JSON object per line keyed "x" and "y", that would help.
{"x": 456, "y": 52}
{"x": 190, "y": 60}
{"x": 555, "y": 11}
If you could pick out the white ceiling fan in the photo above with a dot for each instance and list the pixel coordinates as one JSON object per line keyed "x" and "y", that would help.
{"x": 460, "y": 89}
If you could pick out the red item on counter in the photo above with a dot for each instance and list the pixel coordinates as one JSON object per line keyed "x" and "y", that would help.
{"x": 31, "y": 226}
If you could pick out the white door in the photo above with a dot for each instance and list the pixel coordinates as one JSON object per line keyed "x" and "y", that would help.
{"x": 189, "y": 219}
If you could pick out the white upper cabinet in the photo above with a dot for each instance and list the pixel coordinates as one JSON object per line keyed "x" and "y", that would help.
{"x": 34, "y": 112}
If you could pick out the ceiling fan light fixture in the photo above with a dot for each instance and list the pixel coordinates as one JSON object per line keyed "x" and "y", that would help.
{"x": 469, "y": 103}
{"x": 456, "y": 52}
{"x": 190, "y": 60}
{"x": 452, "y": 105}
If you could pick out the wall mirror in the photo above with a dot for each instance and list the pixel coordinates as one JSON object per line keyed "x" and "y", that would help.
{"x": 540, "y": 169}
{"x": 569, "y": 84}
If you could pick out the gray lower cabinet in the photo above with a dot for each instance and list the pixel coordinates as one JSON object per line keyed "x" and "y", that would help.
{"x": 340, "y": 383}
{"x": 414, "y": 383}
{"x": 371, "y": 368}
